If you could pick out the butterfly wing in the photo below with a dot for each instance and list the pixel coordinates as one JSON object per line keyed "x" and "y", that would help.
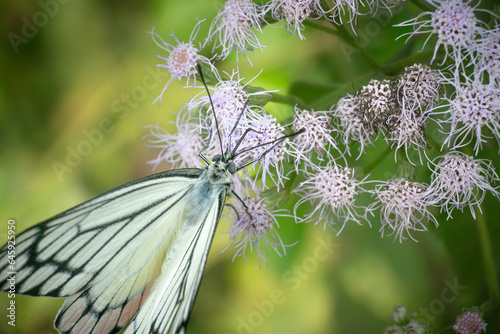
{"x": 168, "y": 308}
{"x": 104, "y": 254}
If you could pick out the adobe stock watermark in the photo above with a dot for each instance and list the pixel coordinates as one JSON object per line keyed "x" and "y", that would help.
{"x": 292, "y": 279}
{"x": 121, "y": 107}
{"x": 448, "y": 295}
{"x": 48, "y": 9}
{"x": 11, "y": 272}
{"x": 366, "y": 34}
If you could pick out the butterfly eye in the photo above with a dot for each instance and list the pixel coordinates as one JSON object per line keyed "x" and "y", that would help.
{"x": 231, "y": 168}
{"x": 217, "y": 158}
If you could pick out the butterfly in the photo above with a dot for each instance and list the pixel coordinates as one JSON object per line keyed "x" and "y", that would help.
{"x": 131, "y": 258}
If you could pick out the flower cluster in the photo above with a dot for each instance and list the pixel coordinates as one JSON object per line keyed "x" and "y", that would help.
{"x": 460, "y": 100}
{"x": 436, "y": 118}
{"x": 470, "y": 322}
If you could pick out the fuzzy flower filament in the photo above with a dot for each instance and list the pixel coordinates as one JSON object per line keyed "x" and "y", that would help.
{"x": 331, "y": 191}
{"x": 458, "y": 181}
{"x": 255, "y": 229}
{"x": 403, "y": 207}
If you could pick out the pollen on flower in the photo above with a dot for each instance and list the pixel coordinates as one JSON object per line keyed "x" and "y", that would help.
{"x": 232, "y": 27}
{"x": 470, "y": 323}
{"x": 331, "y": 191}
{"x": 254, "y": 228}
{"x": 179, "y": 149}
{"x": 182, "y": 58}
{"x": 458, "y": 181}
{"x": 316, "y": 137}
{"x": 403, "y": 207}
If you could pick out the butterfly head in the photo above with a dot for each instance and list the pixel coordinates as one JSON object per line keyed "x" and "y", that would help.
{"x": 224, "y": 164}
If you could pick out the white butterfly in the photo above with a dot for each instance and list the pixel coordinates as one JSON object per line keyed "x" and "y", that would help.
{"x": 131, "y": 258}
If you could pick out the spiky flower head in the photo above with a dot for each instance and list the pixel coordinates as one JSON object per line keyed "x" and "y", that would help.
{"x": 232, "y": 28}
{"x": 317, "y": 135}
{"x": 254, "y": 228}
{"x": 377, "y": 102}
{"x": 488, "y": 48}
{"x": 459, "y": 181}
{"x": 470, "y": 322}
{"x": 352, "y": 125}
{"x": 418, "y": 87}
{"x": 473, "y": 107}
{"x": 229, "y": 97}
{"x": 293, "y": 13}
{"x": 182, "y": 58}
{"x": 453, "y": 22}
{"x": 264, "y": 134}
{"x": 181, "y": 148}
{"x": 404, "y": 207}
{"x": 407, "y": 133}
{"x": 331, "y": 192}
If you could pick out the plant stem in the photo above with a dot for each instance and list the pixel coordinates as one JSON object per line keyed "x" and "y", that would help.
{"x": 489, "y": 264}
{"x": 320, "y": 27}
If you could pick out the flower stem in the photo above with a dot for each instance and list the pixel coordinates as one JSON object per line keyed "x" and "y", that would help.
{"x": 489, "y": 264}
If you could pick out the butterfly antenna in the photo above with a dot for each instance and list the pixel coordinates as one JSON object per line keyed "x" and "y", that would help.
{"x": 213, "y": 108}
{"x": 274, "y": 143}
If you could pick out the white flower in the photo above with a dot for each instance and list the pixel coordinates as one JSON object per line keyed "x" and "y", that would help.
{"x": 181, "y": 148}
{"x": 229, "y": 98}
{"x": 488, "y": 48}
{"x": 294, "y": 12}
{"x": 407, "y": 133}
{"x": 232, "y": 28}
{"x": 316, "y": 137}
{"x": 331, "y": 191}
{"x": 254, "y": 228}
{"x": 377, "y": 102}
{"x": 265, "y": 130}
{"x": 403, "y": 207}
{"x": 459, "y": 181}
{"x": 182, "y": 58}
{"x": 474, "y": 106}
{"x": 351, "y": 123}
{"x": 418, "y": 87}
{"x": 455, "y": 24}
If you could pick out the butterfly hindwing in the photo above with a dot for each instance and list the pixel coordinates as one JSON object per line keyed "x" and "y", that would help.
{"x": 169, "y": 307}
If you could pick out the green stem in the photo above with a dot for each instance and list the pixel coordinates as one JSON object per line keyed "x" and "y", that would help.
{"x": 288, "y": 99}
{"x": 320, "y": 27}
{"x": 380, "y": 158}
{"x": 488, "y": 261}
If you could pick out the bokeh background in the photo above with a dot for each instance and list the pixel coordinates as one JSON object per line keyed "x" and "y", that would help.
{"x": 87, "y": 68}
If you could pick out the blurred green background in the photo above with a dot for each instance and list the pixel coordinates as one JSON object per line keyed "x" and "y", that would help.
{"x": 90, "y": 67}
